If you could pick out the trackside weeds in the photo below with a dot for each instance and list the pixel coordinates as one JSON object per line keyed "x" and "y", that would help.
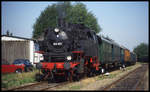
{"x": 14, "y": 80}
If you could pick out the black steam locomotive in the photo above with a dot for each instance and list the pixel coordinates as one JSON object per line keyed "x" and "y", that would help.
{"x": 70, "y": 50}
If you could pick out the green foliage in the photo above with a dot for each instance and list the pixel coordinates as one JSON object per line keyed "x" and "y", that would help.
{"x": 141, "y": 50}
{"x": 14, "y": 79}
{"x": 75, "y": 87}
{"x": 110, "y": 76}
{"x": 71, "y": 13}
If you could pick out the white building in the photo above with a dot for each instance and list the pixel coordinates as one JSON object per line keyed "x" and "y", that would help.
{"x": 38, "y": 56}
{"x": 14, "y": 47}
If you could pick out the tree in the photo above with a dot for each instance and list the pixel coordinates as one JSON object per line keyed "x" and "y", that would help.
{"x": 71, "y": 13}
{"x": 7, "y": 33}
{"x": 141, "y": 50}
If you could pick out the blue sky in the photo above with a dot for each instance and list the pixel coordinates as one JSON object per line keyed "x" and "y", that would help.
{"x": 124, "y": 22}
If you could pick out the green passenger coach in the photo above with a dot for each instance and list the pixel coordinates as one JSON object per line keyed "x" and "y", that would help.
{"x": 110, "y": 53}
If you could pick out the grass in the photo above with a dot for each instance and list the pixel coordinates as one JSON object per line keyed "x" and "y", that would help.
{"x": 129, "y": 68}
{"x": 101, "y": 77}
{"x": 75, "y": 87}
{"x": 14, "y": 79}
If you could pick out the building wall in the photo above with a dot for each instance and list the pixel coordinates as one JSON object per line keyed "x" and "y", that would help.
{"x": 32, "y": 49}
{"x": 12, "y": 50}
{"x": 37, "y": 57}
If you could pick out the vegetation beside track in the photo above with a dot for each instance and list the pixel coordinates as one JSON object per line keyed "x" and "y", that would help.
{"x": 14, "y": 79}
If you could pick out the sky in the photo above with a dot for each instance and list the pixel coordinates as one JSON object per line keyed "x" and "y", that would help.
{"x": 124, "y": 22}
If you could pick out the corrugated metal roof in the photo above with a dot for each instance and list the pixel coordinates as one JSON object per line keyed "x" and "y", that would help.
{"x": 14, "y": 38}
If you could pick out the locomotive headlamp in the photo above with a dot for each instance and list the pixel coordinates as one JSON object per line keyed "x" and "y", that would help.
{"x": 69, "y": 57}
{"x": 63, "y": 35}
{"x": 56, "y": 30}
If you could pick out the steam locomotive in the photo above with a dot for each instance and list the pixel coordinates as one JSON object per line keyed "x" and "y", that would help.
{"x": 74, "y": 50}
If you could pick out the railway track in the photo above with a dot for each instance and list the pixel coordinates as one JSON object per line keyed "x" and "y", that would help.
{"x": 39, "y": 86}
{"x": 131, "y": 81}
